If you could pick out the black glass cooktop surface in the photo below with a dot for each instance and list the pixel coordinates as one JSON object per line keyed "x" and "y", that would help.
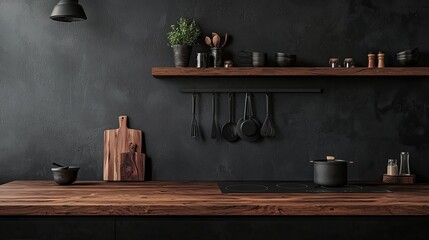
{"x": 294, "y": 187}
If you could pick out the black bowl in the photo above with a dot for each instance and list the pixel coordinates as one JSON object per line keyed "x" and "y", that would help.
{"x": 64, "y": 175}
{"x": 407, "y": 61}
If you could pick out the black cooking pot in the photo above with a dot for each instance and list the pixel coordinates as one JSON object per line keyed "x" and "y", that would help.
{"x": 330, "y": 173}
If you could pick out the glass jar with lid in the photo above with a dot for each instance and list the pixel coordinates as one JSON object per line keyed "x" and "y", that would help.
{"x": 349, "y": 63}
{"x": 392, "y": 167}
{"x": 334, "y": 63}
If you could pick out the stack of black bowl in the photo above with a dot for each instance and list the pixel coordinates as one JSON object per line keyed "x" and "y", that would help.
{"x": 245, "y": 59}
{"x": 285, "y": 60}
{"x": 408, "y": 57}
{"x": 259, "y": 59}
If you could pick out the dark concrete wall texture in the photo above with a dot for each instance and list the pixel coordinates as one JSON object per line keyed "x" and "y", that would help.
{"x": 63, "y": 84}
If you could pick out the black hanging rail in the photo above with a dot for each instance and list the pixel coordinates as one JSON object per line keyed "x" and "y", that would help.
{"x": 255, "y": 90}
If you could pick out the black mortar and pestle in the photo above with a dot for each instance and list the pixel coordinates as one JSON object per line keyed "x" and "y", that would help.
{"x": 64, "y": 175}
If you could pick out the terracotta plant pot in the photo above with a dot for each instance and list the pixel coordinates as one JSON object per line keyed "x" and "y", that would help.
{"x": 182, "y": 54}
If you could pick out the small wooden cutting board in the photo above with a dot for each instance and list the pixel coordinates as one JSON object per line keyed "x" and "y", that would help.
{"x": 132, "y": 165}
{"x": 116, "y": 142}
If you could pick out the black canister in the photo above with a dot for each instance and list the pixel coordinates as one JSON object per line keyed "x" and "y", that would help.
{"x": 216, "y": 57}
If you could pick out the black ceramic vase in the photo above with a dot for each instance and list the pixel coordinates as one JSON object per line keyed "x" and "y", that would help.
{"x": 182, "y": 54}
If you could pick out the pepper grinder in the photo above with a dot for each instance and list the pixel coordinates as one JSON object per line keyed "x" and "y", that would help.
{"x": 404, "y": 169}
{"x": 380, "y": 56}
{"x": 371, "y": 60}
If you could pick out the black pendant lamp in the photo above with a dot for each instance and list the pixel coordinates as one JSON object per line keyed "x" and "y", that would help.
{"x": 68, "y": 11}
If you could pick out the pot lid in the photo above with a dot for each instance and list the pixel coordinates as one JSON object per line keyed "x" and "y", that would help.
{"x": 330, "y": 161}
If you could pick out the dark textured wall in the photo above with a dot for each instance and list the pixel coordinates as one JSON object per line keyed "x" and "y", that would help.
{"x": 62, "y": 84}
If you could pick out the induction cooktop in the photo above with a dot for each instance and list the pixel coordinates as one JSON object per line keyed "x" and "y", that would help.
{"x": 294, "y": 187}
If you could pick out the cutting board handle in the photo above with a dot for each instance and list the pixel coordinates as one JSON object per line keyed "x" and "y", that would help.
{"x": 123, "y": 121}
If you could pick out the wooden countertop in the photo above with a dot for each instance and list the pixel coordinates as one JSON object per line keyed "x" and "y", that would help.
{"x": 164, "y": 198}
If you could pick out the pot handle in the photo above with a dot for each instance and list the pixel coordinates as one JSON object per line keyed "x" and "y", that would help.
{"x": 350, "y": 162}
{"x": 245, "y": 107}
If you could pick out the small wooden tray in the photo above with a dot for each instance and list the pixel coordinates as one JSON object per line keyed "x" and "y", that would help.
{"x": 400, "y": 179}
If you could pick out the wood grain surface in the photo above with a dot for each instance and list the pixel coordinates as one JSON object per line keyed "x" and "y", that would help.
{"x": 40, "y": 198}
{"x": 116, "y": 142}
{"x": 161, "y": 72}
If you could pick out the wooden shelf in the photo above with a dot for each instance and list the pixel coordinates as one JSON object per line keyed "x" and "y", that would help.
{"x": 188, "y": 198}
{"x": 171, "y": 72}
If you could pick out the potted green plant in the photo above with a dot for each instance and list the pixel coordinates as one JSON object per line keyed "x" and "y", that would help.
{"x": 184, "y": 34}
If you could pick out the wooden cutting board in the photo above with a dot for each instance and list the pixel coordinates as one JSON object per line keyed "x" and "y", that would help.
{"x": 132, "y": 165}
{"x": 116, "y": 142}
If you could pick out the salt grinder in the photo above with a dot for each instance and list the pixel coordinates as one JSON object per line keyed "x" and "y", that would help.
{"x": 380, "y": 56}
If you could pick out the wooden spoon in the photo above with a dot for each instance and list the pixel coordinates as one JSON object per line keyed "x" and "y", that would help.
{"x": 208, "y": 41}
{"x": 225, "y": 40}
{"x": 216, "y": 40}
{"x": 214, "y": 34}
